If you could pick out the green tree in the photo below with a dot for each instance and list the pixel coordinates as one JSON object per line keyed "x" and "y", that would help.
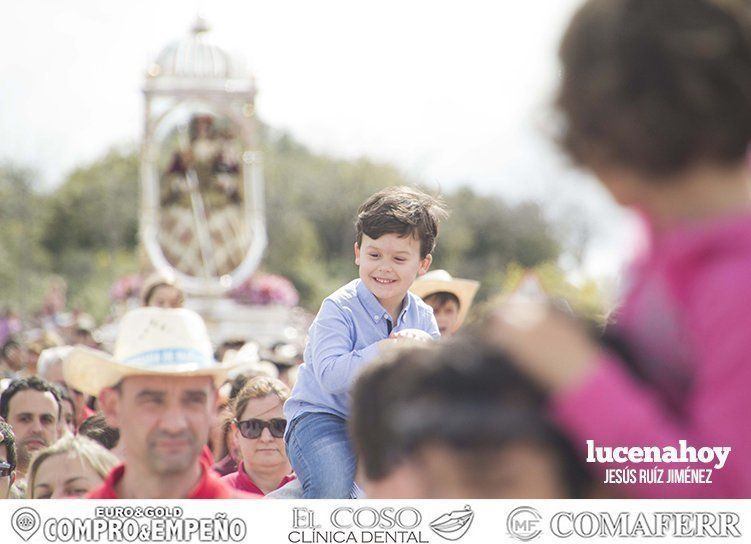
{"x": 91, "y": 230}
{"x": 23, "y": 263}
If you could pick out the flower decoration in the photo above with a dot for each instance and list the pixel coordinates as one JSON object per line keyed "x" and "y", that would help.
{"x": 266, "y": 289}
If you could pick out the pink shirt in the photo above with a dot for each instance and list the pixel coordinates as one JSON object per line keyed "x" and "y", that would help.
{"x": 240, "y": 480}
{"x": 687, "y": 317}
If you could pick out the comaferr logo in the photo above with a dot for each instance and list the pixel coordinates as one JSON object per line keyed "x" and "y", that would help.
{"x": 652, "y": 524}
{"x": 526, "y": 523}
{"x": 454, "y": 525}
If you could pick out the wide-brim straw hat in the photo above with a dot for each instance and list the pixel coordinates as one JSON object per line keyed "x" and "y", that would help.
{"x": 150, "y": 342}
{"x": 438, "y": 281}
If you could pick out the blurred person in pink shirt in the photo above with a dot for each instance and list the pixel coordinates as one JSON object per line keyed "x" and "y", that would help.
{"x": 656, "y": 101}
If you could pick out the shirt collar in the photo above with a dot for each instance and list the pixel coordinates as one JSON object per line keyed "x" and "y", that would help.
{"x": 208, "y": 487}
{"x": 374, "y": 308}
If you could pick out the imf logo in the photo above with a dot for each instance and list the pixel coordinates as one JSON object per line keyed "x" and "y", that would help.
{"x": 524, "y": 523}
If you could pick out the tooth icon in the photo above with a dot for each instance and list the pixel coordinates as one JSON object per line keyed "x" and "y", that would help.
{"x": 454, "y": 525}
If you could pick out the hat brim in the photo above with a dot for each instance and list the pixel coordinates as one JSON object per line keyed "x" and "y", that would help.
{"x": 90, "y": 370}
{"x": 464, "y": 290}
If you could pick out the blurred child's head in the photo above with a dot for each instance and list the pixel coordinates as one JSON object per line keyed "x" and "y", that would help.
{"x": 457, "y": 420}
{"x": 449, "y": 297}
{"x": 396, "y": 232}
{"x": 162, "y": 291}
{"x": 445, "y": 309}
{"x": 652, "y": 90}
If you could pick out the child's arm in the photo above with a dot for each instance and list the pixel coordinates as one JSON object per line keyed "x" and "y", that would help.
{"x": 595, "y": 398}
{"x": 333, "y": 359}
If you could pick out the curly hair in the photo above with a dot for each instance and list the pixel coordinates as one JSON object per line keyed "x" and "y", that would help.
{"x": 657, "y": 86}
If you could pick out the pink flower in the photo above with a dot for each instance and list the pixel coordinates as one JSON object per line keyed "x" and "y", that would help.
{"x": 265, "y": 289}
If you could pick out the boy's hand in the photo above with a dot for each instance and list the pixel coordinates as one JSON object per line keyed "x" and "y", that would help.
{"x": 411, "y": 335}
{"x": 552, "y": 348}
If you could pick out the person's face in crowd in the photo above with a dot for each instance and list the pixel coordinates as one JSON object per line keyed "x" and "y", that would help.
{"x": 518, "y": 471}
{"x": 33, "y": 416}
{"x": 166, "y": 296}
{"x": 446, "y": 314}
{"x": 267, "y": 451}
{"x": 68, "y": 420}
{"x": 389, "y": 265}
{"x": 6, "y": 475}
{"x": 164, "y": 421}
{"x": 63, "y": 476}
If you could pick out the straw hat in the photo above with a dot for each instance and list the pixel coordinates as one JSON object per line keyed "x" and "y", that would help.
{"x": 438, "y": 281}
{"x": 150, "y": 341}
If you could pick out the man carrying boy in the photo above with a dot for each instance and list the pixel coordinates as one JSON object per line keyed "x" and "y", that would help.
{"x": 396, "y": 232}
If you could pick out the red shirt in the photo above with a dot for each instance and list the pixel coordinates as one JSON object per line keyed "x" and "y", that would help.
{"x": 241, "y": 481}
{"x": 209, "y": 486}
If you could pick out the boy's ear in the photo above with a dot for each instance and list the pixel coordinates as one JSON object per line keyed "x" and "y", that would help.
{"x": 357, "y": 255}
{"x": 425, "y": 265}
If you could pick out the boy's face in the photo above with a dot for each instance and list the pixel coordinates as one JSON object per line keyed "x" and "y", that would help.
{"x": 389, "y": 265}
{"x": 446, "y": 314}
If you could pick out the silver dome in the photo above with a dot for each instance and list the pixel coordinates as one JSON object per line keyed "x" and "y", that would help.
{"x": 195, "y": 57}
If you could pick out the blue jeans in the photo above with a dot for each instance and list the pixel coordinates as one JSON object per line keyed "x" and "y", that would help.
{"x": 321, "y": 455}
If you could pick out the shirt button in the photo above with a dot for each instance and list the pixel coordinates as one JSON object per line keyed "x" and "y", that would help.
{"x": 376, "y": 317}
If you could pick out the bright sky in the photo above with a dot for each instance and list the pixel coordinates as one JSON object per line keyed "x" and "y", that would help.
{"x": 450, "y": 92}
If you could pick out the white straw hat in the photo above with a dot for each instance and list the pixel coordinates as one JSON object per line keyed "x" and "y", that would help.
{"x": 438, "y": 281}
{"x": 150, "y": 341}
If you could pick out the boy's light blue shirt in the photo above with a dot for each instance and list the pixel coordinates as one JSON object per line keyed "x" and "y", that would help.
{"x": 343, "y": 338}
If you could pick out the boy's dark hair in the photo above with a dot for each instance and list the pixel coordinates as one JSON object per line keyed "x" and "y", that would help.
{"x": 461, "y": 394}
{"x": 23, "y": 384}
{"x": 403, "y": 211}
{"x": 97, "y": 429}
{"x": 441, "y": 298}
{"x": 8, "y": 440}
{"x": 656, "y": 86}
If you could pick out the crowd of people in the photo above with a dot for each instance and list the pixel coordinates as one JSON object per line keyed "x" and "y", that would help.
{"x": 396, "y": 396}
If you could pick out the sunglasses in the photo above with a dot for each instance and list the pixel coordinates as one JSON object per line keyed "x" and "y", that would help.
{"x": 5, "y": 469}
{"x": 252, "y": 428}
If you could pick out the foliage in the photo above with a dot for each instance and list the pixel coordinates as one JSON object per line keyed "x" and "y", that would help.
{"x": 586, "y": 298}
{"x": 86, "y": 229}
{"x": 23, "y": 261}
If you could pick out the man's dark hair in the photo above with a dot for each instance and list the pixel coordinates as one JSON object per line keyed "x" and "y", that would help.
{"x": 441, "y": 298}
{"x": 8, "y": 440}
{"x": 24, "y": 384}
{"x": 403, "y": 211}
{"x": 96, "y": 428}
{"x": 657, "y": 86}
{"x": 459, "y": 394}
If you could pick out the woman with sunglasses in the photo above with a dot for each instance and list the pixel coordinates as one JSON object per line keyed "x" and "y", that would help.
{"x": 258, "y": 428}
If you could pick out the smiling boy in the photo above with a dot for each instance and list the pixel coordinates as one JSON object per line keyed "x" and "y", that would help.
{"x": 396, "y": 232}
